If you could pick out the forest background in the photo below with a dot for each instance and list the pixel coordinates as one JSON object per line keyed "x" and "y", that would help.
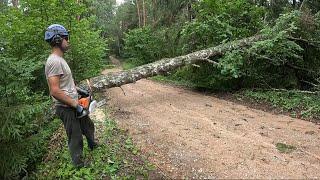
{"x": 282, "y": 69}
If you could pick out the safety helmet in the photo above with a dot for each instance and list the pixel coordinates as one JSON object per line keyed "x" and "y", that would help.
{"x": 55, "y": 33}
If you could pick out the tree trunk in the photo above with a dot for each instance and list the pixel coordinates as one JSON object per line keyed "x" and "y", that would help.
{"x": 78, "y": 16}
{"x": 302, "y": 4}
{"x": 15, "y": 3}
{"x": 154, "y": 10}
{"x": 164, "y": 66}
{"x": 294, "y": 3}
{"x": 144, "y": 13}
{"x": 189, "y": 9}
{"x": 138, "y": 11}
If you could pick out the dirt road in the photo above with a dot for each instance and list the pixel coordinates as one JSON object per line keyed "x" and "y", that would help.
{"x": 191, "y": 135}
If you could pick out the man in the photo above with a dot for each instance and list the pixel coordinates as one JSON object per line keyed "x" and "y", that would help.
{"x": 65, "y": 95}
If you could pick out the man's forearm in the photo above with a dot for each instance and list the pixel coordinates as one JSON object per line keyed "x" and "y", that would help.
{"x": 62, "y": 97}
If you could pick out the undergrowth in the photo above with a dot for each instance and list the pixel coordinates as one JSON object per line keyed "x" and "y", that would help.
{"x": 128, "y": 64}
{"x": 299, "y": 104}
{"x": 115, "y": 158}
{"x": 173, "y": 81}
{"x": 21, "y": 156}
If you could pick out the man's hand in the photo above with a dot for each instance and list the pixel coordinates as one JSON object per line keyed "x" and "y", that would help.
{"x": 81, "y": 112}
{"x": 79, "y": 109}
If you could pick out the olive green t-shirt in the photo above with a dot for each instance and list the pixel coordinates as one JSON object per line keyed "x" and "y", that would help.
{"x": 56, "y": 65}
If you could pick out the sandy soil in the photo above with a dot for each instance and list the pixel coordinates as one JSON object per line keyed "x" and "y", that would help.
{"x": 191, "y": 135}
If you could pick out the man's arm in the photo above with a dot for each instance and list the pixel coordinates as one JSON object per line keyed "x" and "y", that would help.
{"x": 56, "y": 92}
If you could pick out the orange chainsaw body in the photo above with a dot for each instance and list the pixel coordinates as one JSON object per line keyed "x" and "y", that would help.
{"x": 85, "y": 102}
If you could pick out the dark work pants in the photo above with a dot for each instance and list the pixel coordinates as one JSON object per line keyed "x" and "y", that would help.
{"x": 75, "y": 128}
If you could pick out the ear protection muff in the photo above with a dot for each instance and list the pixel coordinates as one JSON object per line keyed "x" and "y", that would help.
{"x": 57, "y": 39}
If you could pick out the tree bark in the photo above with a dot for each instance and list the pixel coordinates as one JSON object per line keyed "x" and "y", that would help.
{"x": 15, "y": 3}
{"x": 138, "y": 11}
{"x": 302, "y": 4}
{"x": 294, "y": 3}
{"x": 154, "y": 9}
{"x": 164, "y": 66}
{"x": 144, "y": 13}
{"x": 78, "y": 16}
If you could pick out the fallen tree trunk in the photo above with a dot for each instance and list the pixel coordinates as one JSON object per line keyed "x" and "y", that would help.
{"x": 164, "y": 66}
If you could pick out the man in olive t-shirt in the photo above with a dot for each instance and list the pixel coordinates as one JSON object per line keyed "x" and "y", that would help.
{"x": 57, "y": 66}
{"x": 65, "y": 96}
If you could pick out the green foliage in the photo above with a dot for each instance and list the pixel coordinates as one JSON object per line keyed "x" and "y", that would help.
{"x": 17, "y": 156}
{"x": 266, "y": 59}
{"x": 205, "y": 77}
{"x": 240, "y": 18}
{"x": 18, "y": 121}
{"x": 285, "y": 59}
{"x": 231, "y": 65}
{"x": 284, "y": 148}
{"x": 116, "y": 159}
{"x": 218, "y": 22}
{"x": 168, "y": 13}
{"x": 23, "y": 53}
{"x": 21, "y": 110}
{"x": 87, "y": 54}
{"x": 267, "y": 63}
{"x": 299, "y": 103}
{"x": 200, "y": 34}
{"x": 144, "y": 46}
{"x": 288, "y": 58}
{"x": 128, "y": 64}
{"x": 174, "y": 81}
{"x": 104, "y": 12}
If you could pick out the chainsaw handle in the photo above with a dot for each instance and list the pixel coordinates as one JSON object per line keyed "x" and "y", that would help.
{"x": 83, "y": 92}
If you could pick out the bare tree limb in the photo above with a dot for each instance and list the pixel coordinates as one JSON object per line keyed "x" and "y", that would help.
{"x": 310, "y": 83}
{"x": 209, "y": 61}
{"x": 305, "y": 41}
{"x": 301, "y": 68}
{"x": 123, "y": 91}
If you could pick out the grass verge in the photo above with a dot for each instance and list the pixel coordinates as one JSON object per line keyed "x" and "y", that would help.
{"x": 116, "y": 158}
{"x": 298, "y": 104}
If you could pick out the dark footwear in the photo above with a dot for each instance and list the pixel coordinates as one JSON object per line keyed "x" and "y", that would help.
{"x": 79, "y": 165}
{"x": 93, "y": 146}
{"x": 82, "y": 165}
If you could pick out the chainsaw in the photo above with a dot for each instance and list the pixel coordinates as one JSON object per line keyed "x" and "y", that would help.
{"x": 87, "y": 101}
